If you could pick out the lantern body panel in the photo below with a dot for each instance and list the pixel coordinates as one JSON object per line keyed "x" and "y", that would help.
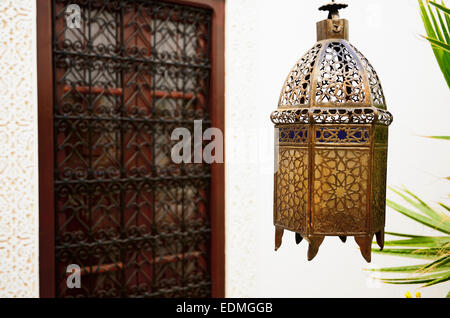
{"x": 332, "y": 133}
{"x": 379, "y": 176}
{"x": 340, "y": 193}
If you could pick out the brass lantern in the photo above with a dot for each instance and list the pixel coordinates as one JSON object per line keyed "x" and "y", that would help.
{"x": 332, "y": 131}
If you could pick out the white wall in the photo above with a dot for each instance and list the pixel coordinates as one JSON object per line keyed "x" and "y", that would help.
{"x": 18, "y": 150}
{"x": 264, "y": 40}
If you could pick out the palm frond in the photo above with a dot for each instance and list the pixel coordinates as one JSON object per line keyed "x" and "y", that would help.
{"x": 438, "y": 280}
{"x": 436, "y": 249}
{"x": 430, "y": 241}
{"x": 422, "y": 268}
{"x": 437, "y": 30}
{"x": 429, "y": 280}
{"x": 442, "y": 225}
{"x": 440, "y": 6}
{"x": 420, "y": 205}
{"x": 422, "y": 253}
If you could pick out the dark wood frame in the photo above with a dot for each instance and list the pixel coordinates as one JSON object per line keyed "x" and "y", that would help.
{"x": 45, "y": 132}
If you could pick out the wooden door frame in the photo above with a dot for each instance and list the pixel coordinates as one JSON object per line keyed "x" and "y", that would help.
{"x": 46, "y": 154}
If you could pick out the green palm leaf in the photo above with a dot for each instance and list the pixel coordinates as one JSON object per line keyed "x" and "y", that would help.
{"x": 438, "y": 44}
{"x": 403, "y": 235}
{"x": 444, "y": 206}
{"x": 438, "y": 280}
{"x": 441, "y": 7}
{"x": 444, "y": 27}
{"x": 441, "y": 226}
{"x": 428, "y": 279}
{"x": 420, "y": 242}
{"x": 442, "y": 262}
{"x": 437, "y": 34}
{"x": 410, "y": 269}
{"x": 420, "y": 205}
{"x": 433, "y": 248}
{"x": 424, "y": 253}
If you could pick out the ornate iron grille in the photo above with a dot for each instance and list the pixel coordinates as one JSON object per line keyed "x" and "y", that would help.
{"x": 136, "y": 223}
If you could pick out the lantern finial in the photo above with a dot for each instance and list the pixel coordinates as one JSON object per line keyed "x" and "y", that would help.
{"x": 333, "y": 27}
{"x": 333, "y": 9}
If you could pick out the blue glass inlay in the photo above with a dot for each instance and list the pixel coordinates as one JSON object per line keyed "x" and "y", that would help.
{"x": 342, "y": 134}
{"x": 295, "y": 134}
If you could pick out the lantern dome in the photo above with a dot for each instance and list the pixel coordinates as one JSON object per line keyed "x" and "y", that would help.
{"x": 333, "y": 82}
{"x": 332, "y": 73}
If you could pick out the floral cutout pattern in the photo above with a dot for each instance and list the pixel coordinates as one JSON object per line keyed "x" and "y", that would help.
{"x": 340, "y": 190}
{"x": 340, "y": 80}
{"x": 298, "y": 84}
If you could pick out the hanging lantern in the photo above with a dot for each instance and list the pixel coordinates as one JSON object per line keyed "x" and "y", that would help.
{"x": 332, "y": 131}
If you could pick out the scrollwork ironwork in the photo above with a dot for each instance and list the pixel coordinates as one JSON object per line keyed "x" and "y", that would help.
{"x": 137, "y": 224}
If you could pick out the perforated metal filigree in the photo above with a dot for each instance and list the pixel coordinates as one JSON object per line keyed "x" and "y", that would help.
{"x": 366, "y": 115}
{"x": 333, "y": 135}
{"x": 340, "y": 78}
{"x": 344, "y": 115}
{"x": 297, "y": 88}
{"x": 374, "y": 82}
{"x": 384, "y": 117}
{"x": 332, "y": 73}
{"x": 291, "y": 116}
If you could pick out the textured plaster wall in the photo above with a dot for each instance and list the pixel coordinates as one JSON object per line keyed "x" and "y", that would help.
{"x": 264, "y": 40}
{"x": 18, "y": 150}
{"x": 241, "y": 118}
